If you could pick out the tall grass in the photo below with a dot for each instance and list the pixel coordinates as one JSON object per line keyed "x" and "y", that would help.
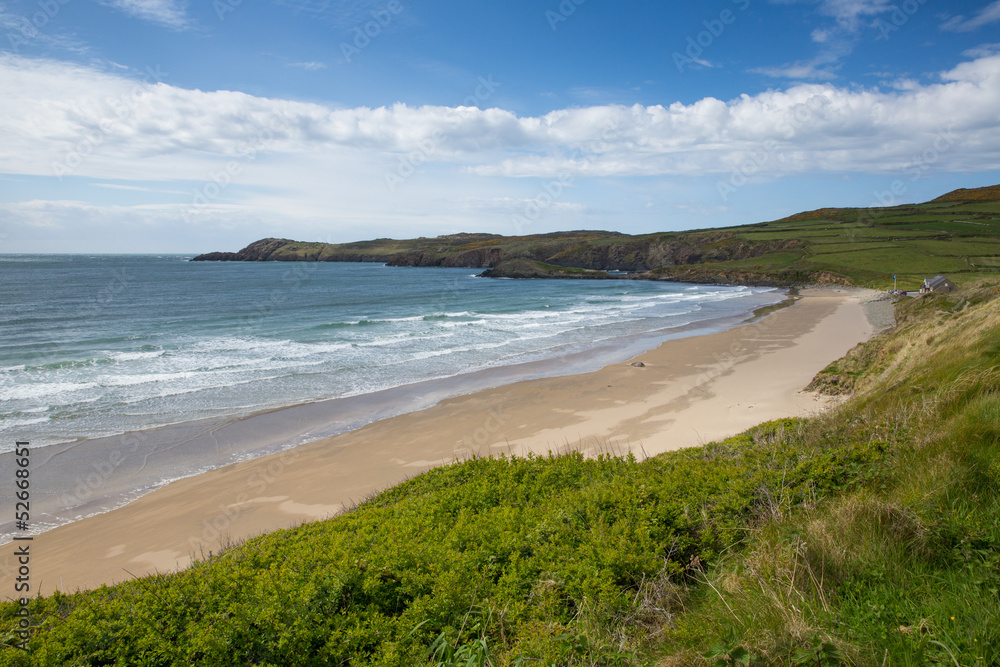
{"x": 905, "y": 569}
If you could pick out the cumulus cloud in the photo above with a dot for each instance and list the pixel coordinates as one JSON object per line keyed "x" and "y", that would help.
{"x": 224, "y": 158}
{"x": 987, "y": 15}
{"x": 96, "y": 124}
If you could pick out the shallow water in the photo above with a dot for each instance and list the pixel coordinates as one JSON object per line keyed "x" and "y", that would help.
{"x": 128, "y": 371}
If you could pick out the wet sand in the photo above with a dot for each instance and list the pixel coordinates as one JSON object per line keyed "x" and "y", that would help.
{"x": 690, "y": 391}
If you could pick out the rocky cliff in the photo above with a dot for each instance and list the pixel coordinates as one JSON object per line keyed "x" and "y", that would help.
{"x": 540, "y": 254}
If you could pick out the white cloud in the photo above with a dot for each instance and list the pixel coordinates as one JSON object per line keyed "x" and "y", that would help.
{"x": 225, "y": 158}
{"x": 136, "y": 188}
{"x": 509, "y": 205}
{"x": 310, "y": 66}
{"x": 987, "y": 15}
{"x": 822, "y": 67}
{"x": 821, "y": 35}
{"x": 814, "y": 70}
{"x": 59, "y": 114}
{"x": 849, "y": 12}
{"x": 836, "y": 41}
{"x": 169, "y": 13}
{"x": 905, "y": 84}
{"x": 21, "y": 30}
{"x": 982, "y": 51}
{"x": 71, "y": 225}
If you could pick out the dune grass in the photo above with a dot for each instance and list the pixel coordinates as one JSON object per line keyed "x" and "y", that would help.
{"x": 904, "y": 570}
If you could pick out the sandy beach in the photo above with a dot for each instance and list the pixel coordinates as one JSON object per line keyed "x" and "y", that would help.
{"x": 686, "y": 392}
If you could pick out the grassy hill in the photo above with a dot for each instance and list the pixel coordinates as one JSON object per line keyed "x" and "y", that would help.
{"x": 989, "y": 193}
{"x": 869, "y": 535}
{"x": 957, "y": 235}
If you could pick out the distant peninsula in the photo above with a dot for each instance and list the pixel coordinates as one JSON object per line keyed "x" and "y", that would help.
{"x": 957, "y": 234}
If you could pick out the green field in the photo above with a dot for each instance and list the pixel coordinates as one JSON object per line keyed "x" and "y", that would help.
{"x": 820, "y": 236}
{"x": 956, "y": 238}
{"x": 985, "y": 207}
{"x": 888, "y": 259}
{"x": 771, "y": 262}
{"x": 955, "y": 227}
{"x": 852, "y": 246}
{"x": 958, "y": 248}
{"x": 869, "y": 246}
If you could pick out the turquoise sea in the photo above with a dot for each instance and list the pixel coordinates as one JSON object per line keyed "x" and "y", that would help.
{"x": 127, "y": 372}
{"x": 93, "y": 346}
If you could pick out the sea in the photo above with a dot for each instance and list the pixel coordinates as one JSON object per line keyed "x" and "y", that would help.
{"x": 163, "y": 359}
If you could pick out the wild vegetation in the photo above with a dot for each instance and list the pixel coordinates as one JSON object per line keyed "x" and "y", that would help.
{"x": 904, "y": 569}
{"x": 957, "y": 235}
{"x": 869, "y": 535}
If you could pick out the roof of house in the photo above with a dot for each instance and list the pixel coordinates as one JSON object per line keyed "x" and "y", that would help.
{"x": 936, "y": 281}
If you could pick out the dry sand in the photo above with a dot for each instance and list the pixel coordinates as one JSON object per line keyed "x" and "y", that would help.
{"x": 690, "y": 391}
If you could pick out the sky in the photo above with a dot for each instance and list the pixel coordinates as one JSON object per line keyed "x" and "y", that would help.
{"x": 167, "y": 126}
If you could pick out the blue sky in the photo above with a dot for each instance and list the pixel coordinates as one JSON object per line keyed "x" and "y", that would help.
{"x": 165, "y": 126}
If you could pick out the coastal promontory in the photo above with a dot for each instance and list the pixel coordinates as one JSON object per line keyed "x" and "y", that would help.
{"x": 957, "y": 234}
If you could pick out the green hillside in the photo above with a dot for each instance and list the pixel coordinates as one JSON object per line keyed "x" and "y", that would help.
{"x": 957, "y": 235}
{"x": 869, "y": 535}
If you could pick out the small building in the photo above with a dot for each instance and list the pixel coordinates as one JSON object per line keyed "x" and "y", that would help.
{"x": 938, "y": 284}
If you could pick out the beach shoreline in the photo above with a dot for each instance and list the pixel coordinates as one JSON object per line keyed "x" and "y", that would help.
{"x": 78, "y": 479}
{"x": 689, "y": 391}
